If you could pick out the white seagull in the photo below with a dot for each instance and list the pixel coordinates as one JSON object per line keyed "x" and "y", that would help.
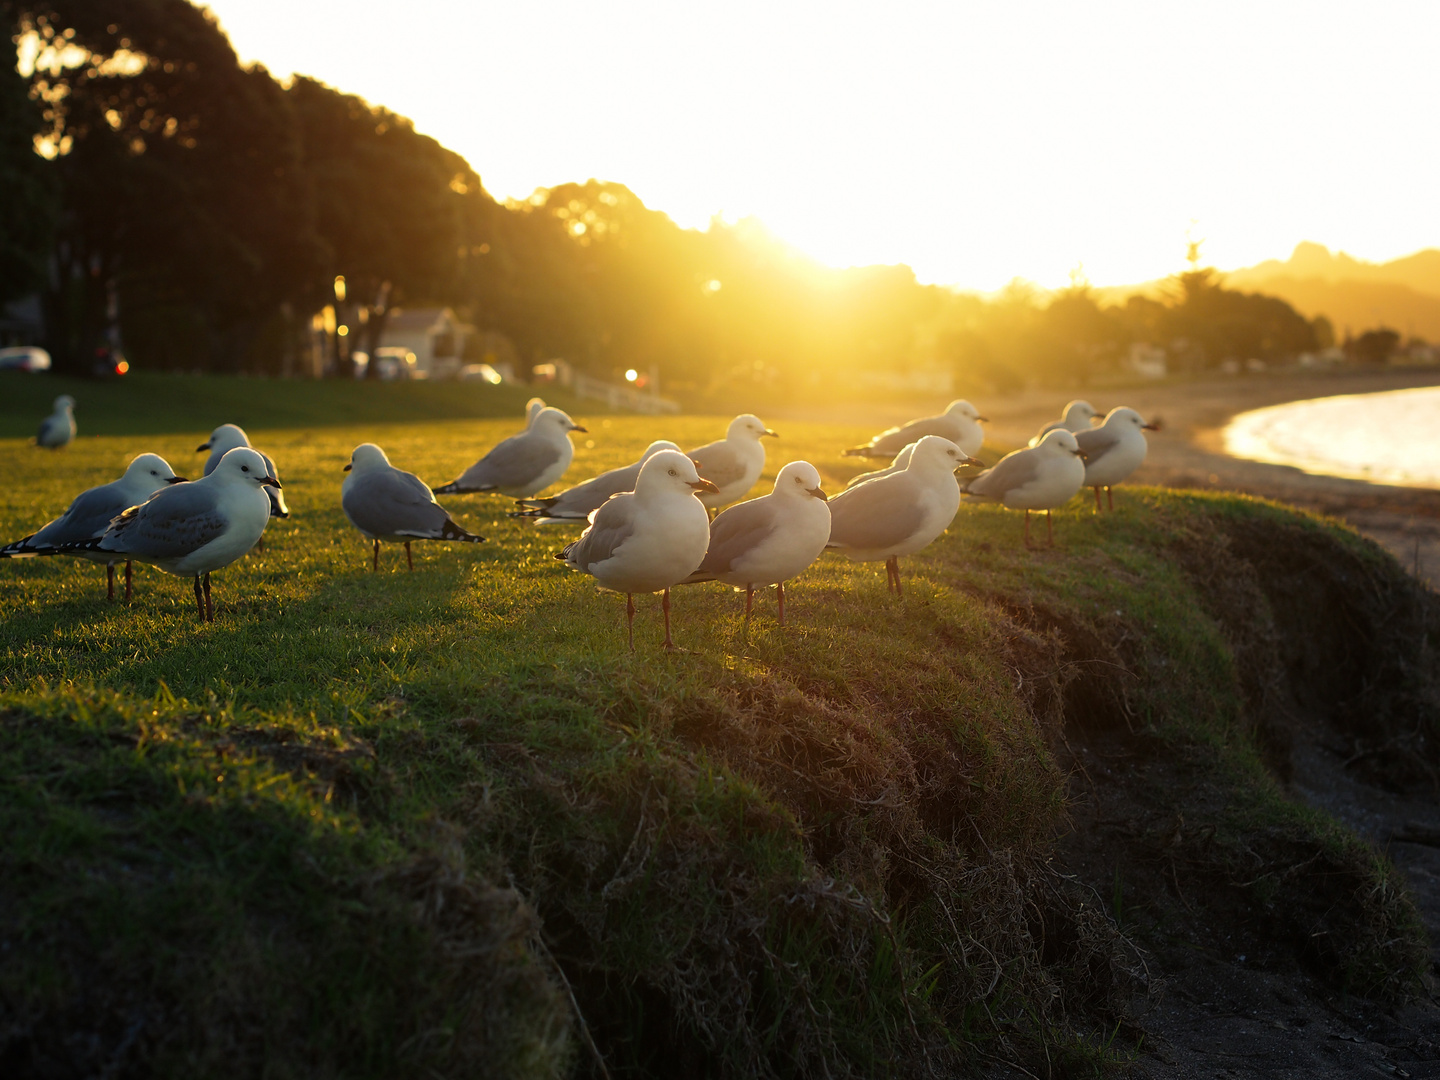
{"x": 90, "y": 514}
{"x": 522, "y": 464}
{"x": 901, "y": 513}
{"x": 1040, "y": 477}
{"x": 649, "y": 539}
{"x": 195, "y": 528}
{"x": 227, "y": 437}
{"x": 902, "y": 459}
{"x": 1114, "y": 450}
{"x": 960, "y": 423}
{"x": 386, "y": 503}
{"x": 1077, "y": 417}
{"x": 769, "y": 540}
{"x": 576, "y": 504}
{"x": 57, "y": 429}
{"x": 733, "y": 463}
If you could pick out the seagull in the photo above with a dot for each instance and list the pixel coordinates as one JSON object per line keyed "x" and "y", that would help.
{"x": 902, "y": 459}
{"x": 769, "y": 540}
{"x": 90, "y": 514}
{"x": 195, "y": 528}
{"x": 227, "y": 437}
{"x": 649, "y": 539}
{"x": 532, "y": 409}
{"x": 959, "y": 423}
{"x": 577, "y": 503}
{"x": 1077, "y": 417}
{"x": 386, "y": 503}
{"x": 733, "y": 463}
{"x": 901, "y": 513}
{"x": 522, "y": 464}
{"x": 57, "y": 429}
{"x": 1040, "y": 477}
{"x": 1114, "y": 450}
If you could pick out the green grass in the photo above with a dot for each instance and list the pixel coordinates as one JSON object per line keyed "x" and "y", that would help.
{"x": 376, "y": 815}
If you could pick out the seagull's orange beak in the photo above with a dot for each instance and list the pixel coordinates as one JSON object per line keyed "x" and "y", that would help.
{"x": 819, "y": 493}
{"x": 348, "y": 467}
{"x": 772, "y": 434}
{"x": 704, "y": 485}
{"x": 202, "y": 446}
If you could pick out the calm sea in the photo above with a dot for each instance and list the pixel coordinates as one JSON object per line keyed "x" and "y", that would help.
{"x": 1387, "y": 438}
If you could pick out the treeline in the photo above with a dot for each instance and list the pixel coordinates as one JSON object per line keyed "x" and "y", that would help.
{"x": 156, "y": 190}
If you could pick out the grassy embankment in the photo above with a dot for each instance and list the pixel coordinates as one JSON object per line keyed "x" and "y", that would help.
{"x": 369, "y": 824}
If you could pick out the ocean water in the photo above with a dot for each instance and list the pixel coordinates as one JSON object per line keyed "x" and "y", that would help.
{"x": 1387, "y": 438}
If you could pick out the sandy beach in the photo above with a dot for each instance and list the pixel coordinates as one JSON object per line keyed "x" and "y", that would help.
{"x": 1188, "y": 453}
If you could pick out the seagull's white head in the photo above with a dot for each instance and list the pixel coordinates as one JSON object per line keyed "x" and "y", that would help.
{"x": 1080, "y": 412}
{"x": 365, "y": 457}
{"x": 934, "y": 452}
{"x": 151, "y": 470}
{"x": 964, "y": 409}
{"x": 670, "y": 471}
{"x": 799, "y": 480}
{"x": 225, "y": 438}
{"x": 554, "y": 422}
{"x": 64, "y": 403}
{"x": 748, "y": 426}
{"x": 1123, "y": 417}
{"x": 655, "y": 447}
{"x": 1059, "y": 442}
{"x": 243, "y": 466}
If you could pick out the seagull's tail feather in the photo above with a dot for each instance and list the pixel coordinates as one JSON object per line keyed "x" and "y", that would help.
{"x": 451, "y": 531}
{"x": 697, "y": 577}
{"x": 564, "y": 553}
{"x": 533, "y": 507}
{"x": 23, "y": 549}
{"x": 452, "y": 488}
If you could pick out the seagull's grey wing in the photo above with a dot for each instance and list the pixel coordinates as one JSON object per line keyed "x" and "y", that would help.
{"x": 173, "y": 523}
{"x": 718, "y": 463}
{"x": 1097, "y": 442}
{"x": 1012, "y": 471}
{"x": 897, "y": 438}
{"x": 88, "y": 516}
{"x": 876, "y": 514}
{"x": 579, "y": 500}
{"x": 614, "y": 524}
{"x": 739, "y": 530}
{"x": 514, "y": 462}
{"x": 383, "y": 503}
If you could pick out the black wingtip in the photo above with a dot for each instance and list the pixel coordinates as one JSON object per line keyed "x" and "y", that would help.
{"x": 445, "y": 489}
{"x": 856, "y": 451}
{"x": 451, "y": 531}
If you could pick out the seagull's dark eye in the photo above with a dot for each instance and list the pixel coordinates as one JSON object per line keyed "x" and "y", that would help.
{"x": 244, "y": 468}
{"x": 672, "y": 472}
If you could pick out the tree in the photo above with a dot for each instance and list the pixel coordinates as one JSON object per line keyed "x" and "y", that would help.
{"x": 1374, "y": 346}
{"x": 27, "y": 191}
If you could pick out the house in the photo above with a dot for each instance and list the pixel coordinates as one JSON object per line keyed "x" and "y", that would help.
{"x": 434, "y": 335}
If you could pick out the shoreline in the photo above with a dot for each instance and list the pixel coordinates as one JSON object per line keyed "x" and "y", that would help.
{"x": 1189, "y": 452}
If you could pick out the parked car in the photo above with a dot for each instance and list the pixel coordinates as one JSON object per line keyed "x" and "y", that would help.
{"x": 392, "y": 363}
{"x": 29, "y": 358}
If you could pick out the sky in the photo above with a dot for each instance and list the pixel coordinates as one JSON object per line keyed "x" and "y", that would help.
{"x": 975, "y": 142}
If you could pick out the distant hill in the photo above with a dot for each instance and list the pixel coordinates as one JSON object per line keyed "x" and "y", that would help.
{"x": 1403, "y": 294}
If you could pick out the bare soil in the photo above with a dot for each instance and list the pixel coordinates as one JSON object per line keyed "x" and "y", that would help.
{"x": 1237, "y": 1002}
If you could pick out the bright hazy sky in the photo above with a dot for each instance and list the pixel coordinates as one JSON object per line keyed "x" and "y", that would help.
{"x": 975, "y": 142}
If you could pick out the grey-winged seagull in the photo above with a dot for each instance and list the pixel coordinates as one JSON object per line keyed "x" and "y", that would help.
{"x": 576, "y": 504}
{"x": 1040, "y": 477}
{"x": 733, "y": 463}
{"x": 902, "y": 459}
{"x": 769, "y": 540}
{"x": 523, "y": 464}
{"x": 1114, "y": 450}
{"x": 57, "y": 429}
{"x": 1077, "y": 417}
{"x": 196, "y": 528}
{"x": 649, "y": 539}
{"x": 227, "y": 437}
{"x": 386, "y": 503}
{"x": 960, "y": 423}
{"x": 90, "y": 514}
{"x": 901, "y": 513}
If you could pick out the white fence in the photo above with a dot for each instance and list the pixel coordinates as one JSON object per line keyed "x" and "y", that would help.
{"x": 621, "y": 397}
